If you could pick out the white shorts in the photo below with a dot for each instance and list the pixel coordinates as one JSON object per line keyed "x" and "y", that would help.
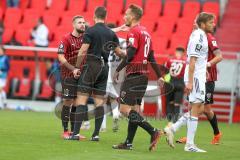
{"x": 198, "y": 93}
{"x": 3, "y": 82}
{"x": 113, "y": 89}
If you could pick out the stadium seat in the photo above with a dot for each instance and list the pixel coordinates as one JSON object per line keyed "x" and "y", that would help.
{"x": 191, "y": 9}
{"x": 12, "y": 17}
{"x": 152, "y": 9}
{"x": 91, "y": 5}
{"x": 184, "y": 28}
{"x": 58, "y": 5}
{"x": 1, "y": 13}
{"x": 172, "y": 8}
{"x": 77, "y": 5}
{"x": 51, "y": 21}
{"x": 165, "y": 28}
{"x": 160, "y": 44}
{"x": 212, "y": 7}
{"x": 149, "y": 24}
{"x": 176, "y": 41}
{"x": 30, "y": 17}
{"x": 24, "y": 4}
{"x": 22, "y": 35}
{"x": 38, "y": 5}
{"x": 137, "y": 2}
{"x": 7, "y": 35}
{"x": 66, "y": 22}
{"x": 115, "y": 10}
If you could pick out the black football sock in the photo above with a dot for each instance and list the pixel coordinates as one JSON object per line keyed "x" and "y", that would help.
{"x": 214, "y": 124}
{"x": 176, "y": 113}
{"x": 72, "y": 117}
{"x": 170, "y": 113}
{"x": 65, "y": 117}
{"x": 136, "y": 117}
{"x": 79, "y": 116}
{"x": 132, "y": 129}
{"x": 99, "y": 114}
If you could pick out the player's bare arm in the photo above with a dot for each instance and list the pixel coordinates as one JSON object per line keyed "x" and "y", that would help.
{"x": 189, "y": 85}
{"x": 123, "y": 28}
{"x": 218, "y": 58}
{"x": 64, "y": 62}
{"x": 119, "y": 52}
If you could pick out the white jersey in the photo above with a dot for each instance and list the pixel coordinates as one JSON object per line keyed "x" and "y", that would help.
{"x": 197, "y": 47}
{"x": 113, "y": 62}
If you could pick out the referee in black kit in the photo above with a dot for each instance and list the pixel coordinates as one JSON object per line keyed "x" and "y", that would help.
{"x": 94, "y": 74}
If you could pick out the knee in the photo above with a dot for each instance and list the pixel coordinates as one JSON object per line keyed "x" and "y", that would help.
{"x": 68, "y": 102}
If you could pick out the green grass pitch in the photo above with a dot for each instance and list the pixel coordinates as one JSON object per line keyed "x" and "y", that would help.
{"x": 36, "y": 136}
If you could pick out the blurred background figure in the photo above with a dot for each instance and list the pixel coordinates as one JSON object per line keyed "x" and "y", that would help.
{"x": 13, "y": 3}
{"x": 40, "y": 34}
{"x": 176, "y": 66}
{"x": 4, "y": 68}
{"x": 1, "y": 31}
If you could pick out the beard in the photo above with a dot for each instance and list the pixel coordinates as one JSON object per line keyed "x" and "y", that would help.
{"x": 80, "y": 31}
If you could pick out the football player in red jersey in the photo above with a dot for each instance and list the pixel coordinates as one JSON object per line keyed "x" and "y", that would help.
{"x": 176, "y": 66}
{"x": 214, "y": 57}
{"x": 67, "y": 55}
{"x": 139, "y": 54}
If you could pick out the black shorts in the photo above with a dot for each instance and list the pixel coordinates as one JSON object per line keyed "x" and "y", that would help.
{"x": 93, "y": 79}
{"x": 133, "y": 89}
{"x": 210, "y": 86}
{"x": 176, "y": 95}
{"x": 69, "y": 88}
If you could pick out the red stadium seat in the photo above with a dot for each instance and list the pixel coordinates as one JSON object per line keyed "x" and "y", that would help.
{"x": 38, "y": 5}
{"x": 7, "y": 35}
{"x": 58, "y": 5}
{"x": 191, "y": 9}
{"x": 12, "y": 17}
{"x": 152, "y": 9}
{"x": 66, "y": 21}
{"x": 24, "y": 4}
{"x": 93, "y": 4}
{"x": 172, "y": 8}
{"x": 51, "y": 21}
{"x": 149, "y": 24}
{"x": 137, "y": 2}
{"x": 46, "y": 91}
{"x": 1, "y": 13}
{"x": 212, "y": 7}
{"x": 22, "y": 35}
{"x": 165, "y": 28}
{"x": 115, "y": 10}
{"x": 184, "y": 29}
{"x": 30, "y": 17}
{"x": 160, "y": 44}
{"x": 77, "y": 5}
{"x": 178, "y": 40}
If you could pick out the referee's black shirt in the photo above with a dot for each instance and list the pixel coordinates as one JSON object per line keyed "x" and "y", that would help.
{"x": 98, "y": 37}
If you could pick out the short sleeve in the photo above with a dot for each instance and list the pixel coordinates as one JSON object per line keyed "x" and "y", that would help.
{"x": 87, "y": 37}
{"x": 133, "y": 39}
{"x": 62, "y": 48}
{"x": 196, "y": 45}
{"x": 212, "y": 43}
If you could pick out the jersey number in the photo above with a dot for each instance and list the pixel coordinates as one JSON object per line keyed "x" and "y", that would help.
{"x": 146, "y": 48}
{"x": 176, "y": 69}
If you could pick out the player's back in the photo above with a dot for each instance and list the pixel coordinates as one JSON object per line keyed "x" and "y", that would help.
{"x": 139, "y": 38}
{"x": 197, "y": 47}
{"x": 176, "y": 66}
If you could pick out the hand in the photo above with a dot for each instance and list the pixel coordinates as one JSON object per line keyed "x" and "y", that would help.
{"x": 124, "y": 28}
{"x": 188, "y": 88}
{"x": 207, "y": 75}
{"x": 76, "y": 73}
{"x": 161, "y": 82}
{"x": 115, "y": 77}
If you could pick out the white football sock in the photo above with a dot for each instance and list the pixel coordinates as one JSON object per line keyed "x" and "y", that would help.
{"x": 192, "y": 124}
{"x": 181, "y": 122}
{"x": 115, "y": 110}
{"x": 104, "y": 123}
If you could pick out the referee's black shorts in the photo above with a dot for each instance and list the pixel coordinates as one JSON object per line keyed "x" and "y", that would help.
{"x": 210, "y": 86}
{"x": 93, "y": 78}
{"x": 133, "y": 89}
{"x": 69, "y": 88}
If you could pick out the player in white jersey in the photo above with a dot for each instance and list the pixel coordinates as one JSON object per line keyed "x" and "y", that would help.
{"x": 113, "y": 89}
{"x": 194, "y": 78}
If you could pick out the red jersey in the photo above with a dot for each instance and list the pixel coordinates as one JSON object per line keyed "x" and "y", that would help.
{"x": 69, "y": 46}
{"x": 139, "y": 38}
{"x": 212, "y": 46}
{"x": 176, "y": 67}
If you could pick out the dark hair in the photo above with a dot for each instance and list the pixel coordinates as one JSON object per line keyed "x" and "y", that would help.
{"x": 101, "y": 13}
{"x": 204, "y": 17}
{"x": 111, "y": 25}
{"x": 180, "y": 49}
{"x": 137, "y": 11}
{"x": 76, "y": 17}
